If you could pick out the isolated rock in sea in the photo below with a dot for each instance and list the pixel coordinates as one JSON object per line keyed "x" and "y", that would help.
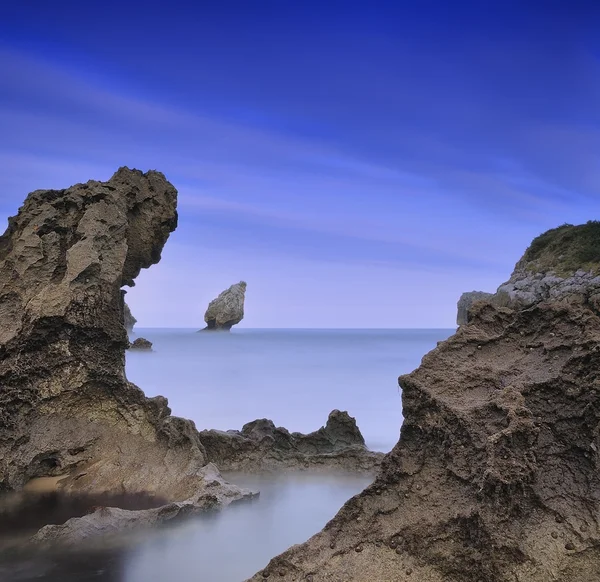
{"x": 562, "y": 264}
{"x": 227, "y": 309}
{"x": 260, "y": 446}
{"x": 108, "y": 521}
{"x": 128, "y": 319}
{"x": 141, "y": 344}
{"x": 464, "y": 304}
{"x": 66, "y": 407}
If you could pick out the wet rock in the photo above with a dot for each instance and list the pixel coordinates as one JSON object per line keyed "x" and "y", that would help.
{"x": 109, "y": 521}
{"x": 227, "y": 309}
{"x": 141, "y": 344}
{"x": 261, "y": 446}
{"x": 66, "y": 407}
{"x": 496, "y": 478}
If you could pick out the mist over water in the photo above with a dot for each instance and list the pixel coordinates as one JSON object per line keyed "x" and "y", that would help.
{"x": 221, "y": 380}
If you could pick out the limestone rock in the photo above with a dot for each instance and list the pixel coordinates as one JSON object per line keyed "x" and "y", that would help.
{"x": 66, "y": 407}
{"x": 109, "y": 521}
{"x": 128, "y": 319}
{"x": 562, "y": 264}
{"x": 141, "y": 344}
{"x": 495, "y": 476}
{"x": 464, "y": 304}
{"x": 227, "y": 309}
{"x": 260, "y": 446}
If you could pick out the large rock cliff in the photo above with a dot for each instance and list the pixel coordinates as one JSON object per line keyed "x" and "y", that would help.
{"x": 496, "y": 475}
{"x": 227, "y": 309}
{"x": 66, "y": 407}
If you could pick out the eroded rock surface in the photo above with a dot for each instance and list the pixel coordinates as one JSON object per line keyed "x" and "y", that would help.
{"x": 109, "y": 521}
{"x": 66, "y": 407}
{"x": 227, "y": 309}
{"x": 495, "y": 476}
{"x": 562, "y": 264}
{"x": 261, "y": 446}
{"x": 464, "y": 304}
{"x": 128, "y": 320}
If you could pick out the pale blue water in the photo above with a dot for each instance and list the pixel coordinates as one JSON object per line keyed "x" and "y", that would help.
{"x": 294, "y": 377}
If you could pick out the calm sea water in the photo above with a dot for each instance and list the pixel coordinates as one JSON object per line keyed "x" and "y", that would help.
{"x": 295, "y": 378}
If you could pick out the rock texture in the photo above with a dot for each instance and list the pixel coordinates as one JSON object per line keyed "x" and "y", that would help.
{"x": 109, "y": 521}
{"x": 128, "y": 319}
{"x": 141, "y": 344}
{"x": 66, "y": 407}
{"x": 227, "y": 309}
{"x": 260, "y": 446}
{"x": 466, "y": 301}
{"x": 495, "y": 476}
{"x": 562, "y": 264}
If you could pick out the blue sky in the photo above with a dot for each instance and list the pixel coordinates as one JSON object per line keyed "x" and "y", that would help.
{"x": 359, "y": 164}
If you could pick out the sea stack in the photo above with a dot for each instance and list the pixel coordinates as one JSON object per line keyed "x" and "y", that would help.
{"x": 227, "y": 309}
{"x": 65, "y": 402}
{"x": 495, "y": 476}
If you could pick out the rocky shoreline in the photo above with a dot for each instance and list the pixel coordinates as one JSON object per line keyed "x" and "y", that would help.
{"x": 67, "y": 411}
{"x": 495, "y": 476}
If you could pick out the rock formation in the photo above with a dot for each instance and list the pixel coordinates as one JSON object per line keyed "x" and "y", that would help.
{"x": 128, "y": 319}
{"x": 66, "y": 407}
{"x": 495, "y": 477}
{"x": 260, "y": 446}
{"x": 141, "y": 344}
{"x": 227, "y": 309}
{"x": 464, "y": 304}
{"x": 562, "y": 264}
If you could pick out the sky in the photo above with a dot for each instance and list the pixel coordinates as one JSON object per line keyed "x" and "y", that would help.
{"x": 359, "y": 164}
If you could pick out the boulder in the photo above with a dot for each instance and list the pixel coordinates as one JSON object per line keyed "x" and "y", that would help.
{"x": 141, "y": 344}
{"x": 261, "y": 446}
{"x": 227, "y": 309}
{"x": 464, "y": 304}
{"x": 66, "y": 407}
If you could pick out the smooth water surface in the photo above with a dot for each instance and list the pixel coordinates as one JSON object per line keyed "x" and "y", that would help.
{"x": 293, "y": 377}
{"x": 223, "y": 380}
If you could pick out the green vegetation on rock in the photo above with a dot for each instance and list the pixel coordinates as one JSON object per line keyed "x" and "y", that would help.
{"x": 565, "y": 249}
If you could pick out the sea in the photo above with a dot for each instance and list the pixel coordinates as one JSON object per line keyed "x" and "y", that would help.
{"x": 294, "y": 377}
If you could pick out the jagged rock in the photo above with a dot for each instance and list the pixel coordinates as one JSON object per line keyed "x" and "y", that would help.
{"x": 495, "y": 476}
{"x": 66, "y": 407}
{"x": 464, "y": 304}
{"x": 227, "y": 309}
{"x": 562, "y": 264}
{"x": 108, "y": 521}
{"x": 128, "y": 319}
{"x": 260, "y": 446}
{"x": 141, "y": 344}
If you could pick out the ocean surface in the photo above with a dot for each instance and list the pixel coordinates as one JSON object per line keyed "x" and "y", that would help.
{"x": 220, "y": 380}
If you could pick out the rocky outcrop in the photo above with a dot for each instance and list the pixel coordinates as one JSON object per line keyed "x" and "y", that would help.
{"x": 260, "y": 446}
{"x": 562, "y": 264}
{"x": 110, "y": 521}
{"x": 495, "y": 476}
{"x": 141, "y": 344}
{"x": 66, "y": 407}
{"x": 128, "y": 319}
{"x": 227, "y": 309}
{"x": 464, "y": 304}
